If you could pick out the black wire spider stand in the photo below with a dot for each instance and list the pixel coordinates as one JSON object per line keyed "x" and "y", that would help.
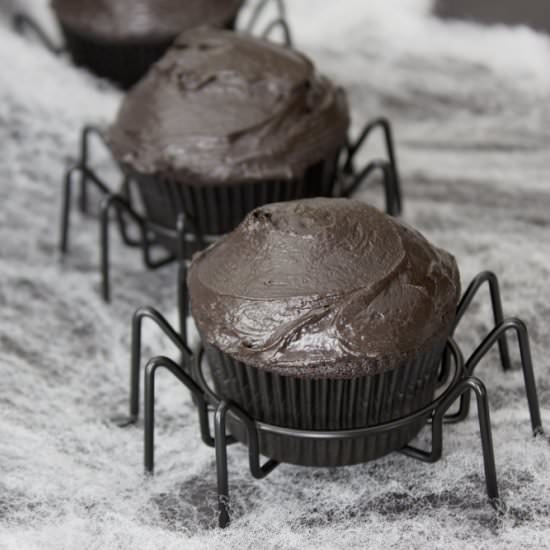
{"x": 457, "y": 383}
{"x": 280, "y": 21}
{"x": 186, "y": 236}
{"x": 117, "y": 202}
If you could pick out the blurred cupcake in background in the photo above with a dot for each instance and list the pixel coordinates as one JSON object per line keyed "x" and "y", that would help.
{"x": 225, "y": 123}
{"x": 121, "y": 39}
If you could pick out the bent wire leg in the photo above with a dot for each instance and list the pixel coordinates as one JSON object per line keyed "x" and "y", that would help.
{"x": 149, "y": 407}
{"x": 22, "y": 22}
{"x": 259, "y": 9}
{"x": 220, "y": 418}
{"x": 257, "y": 470}
{"x": 87, "y": 131}
{"x": 66, "y": 199}
{"x": 66, "y": 209}
{"x": 498, "y": 316}
{"x": 467, "y": 385}
{"x": 385, "y": 126}
{"x": 518, "y": 326}
{"x": 107, "y": 204}
{"x": 121, "y": 206}
{"x": 126, "y": 194}
{"x": 87, "y": 173}
{"x": 391, "y": 191}
{"x": 496, "y": 302}
{"x": 135, "y": 360}
{"x": 279, "y": 23}
{"x": 148, "y": 260}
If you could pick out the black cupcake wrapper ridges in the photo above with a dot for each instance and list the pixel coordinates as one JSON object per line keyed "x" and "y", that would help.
{"x": 218, "y": 209}
{"x": 124, "y": 63}
{"x": 328, "y": 404}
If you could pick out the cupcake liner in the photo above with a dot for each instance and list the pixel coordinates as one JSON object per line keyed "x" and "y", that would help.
{"x": 218, "y": 209}
{"x": 328, "y": 404}
{"x": 122, "y": 62}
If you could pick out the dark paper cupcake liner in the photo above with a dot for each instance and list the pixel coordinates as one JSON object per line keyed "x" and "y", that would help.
{"x": 124, "y": 63}
{"x": 218, "y": 209}
{"x": 328, "y": 404}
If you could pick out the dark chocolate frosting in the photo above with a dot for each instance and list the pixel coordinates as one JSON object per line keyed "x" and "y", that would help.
{"x": 222, "y": 107}
{"x": 323, "y": 288}
{"x": 143, "y": 19}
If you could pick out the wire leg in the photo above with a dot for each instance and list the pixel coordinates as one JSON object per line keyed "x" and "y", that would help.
{"x": 66, "y": 210}
{"x": 486, "y": 439}
{"x": 496, "y": 302}
{"x": 116, "y": 202}
{"x": 462, "y": 412}
{"x": 221, "y": 443}
{"x": 149, "y": 407}
{"x": 465, "y": 386}
{"x": 85, "y": 176}
{"x": 519, "y": 327}
{"x": 87, "y": 131}
{"x": 134, "y": 366}
{"x": 83, "y": 197}
{"x": 392, "y": 157}
{"x": 149, "y": 418}
{"x": 106, "y": 205}
{"x": 221, "y": 463}
{"x": 391, "y": 193}
{"x": 259, "y": 9}
{"x": 279, "y": 24}
{"x": 135, "y": 361}
{"x": 125, "y": 193}
{"x": 394, "y": 200}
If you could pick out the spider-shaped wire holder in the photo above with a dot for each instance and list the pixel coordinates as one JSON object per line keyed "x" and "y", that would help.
{"x": 114, "y": 202}
{"x": 187, "y": 237}
{"x": 456, "y": 377}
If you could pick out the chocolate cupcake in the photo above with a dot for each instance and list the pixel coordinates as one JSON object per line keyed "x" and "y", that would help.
{"x": 225, "y": 123}
{"x": 121, "y": 39}
{"x": 325, "y": 314}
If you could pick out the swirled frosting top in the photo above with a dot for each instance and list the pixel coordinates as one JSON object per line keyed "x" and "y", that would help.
{"x": 323, "y": 288}
{"x": 143, "y": 19}
{"x": 226, "y": 107}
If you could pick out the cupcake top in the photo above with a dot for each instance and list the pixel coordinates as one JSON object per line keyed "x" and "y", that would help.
{"x": 143, "y": 19}
{"x": 323, "y": 288}
{"x": 222, "y": 107}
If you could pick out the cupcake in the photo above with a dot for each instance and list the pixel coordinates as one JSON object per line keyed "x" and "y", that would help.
{"x": 225, "y": 123}
{"x": 324, "y": 314}
{"x": 121, "y": 39}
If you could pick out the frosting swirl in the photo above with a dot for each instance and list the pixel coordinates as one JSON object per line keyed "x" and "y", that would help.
{"x": 323, "y": 287}
{"x": 221, "y": 107}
